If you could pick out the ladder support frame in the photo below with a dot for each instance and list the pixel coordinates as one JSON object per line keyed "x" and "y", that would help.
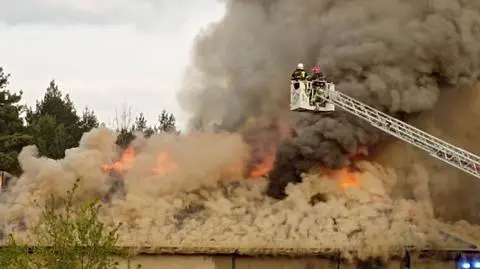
{"x": 448, "y": 153}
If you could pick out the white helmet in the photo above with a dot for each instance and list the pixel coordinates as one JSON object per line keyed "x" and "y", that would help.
{"x": 300, "y": 66}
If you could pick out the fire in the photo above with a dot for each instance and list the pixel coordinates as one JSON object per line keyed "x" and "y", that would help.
{"x": 263, "y": 140}
{"x": 263, "y": 167}
{"x": 163, "y": 165}
{"x": 124, "y": 164}
{"x": 348, "y": 179}
{"x": 345, "y": 176}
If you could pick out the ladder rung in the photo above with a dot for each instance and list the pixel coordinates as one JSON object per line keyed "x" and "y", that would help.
{"x": 438, "y": 148}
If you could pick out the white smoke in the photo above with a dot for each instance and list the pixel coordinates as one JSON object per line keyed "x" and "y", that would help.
{"x": 206, "y": 203}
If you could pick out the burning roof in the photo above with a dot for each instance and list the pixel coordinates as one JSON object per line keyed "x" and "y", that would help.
{"x": 190, "y": 191}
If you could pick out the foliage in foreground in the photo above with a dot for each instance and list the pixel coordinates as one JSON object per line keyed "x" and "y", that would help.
{"x": 69, "y": 238}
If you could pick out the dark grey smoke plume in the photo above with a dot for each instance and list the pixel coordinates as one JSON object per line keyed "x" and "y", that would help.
{"x": 322, "y": 140}
{"x": 395, "y": 55}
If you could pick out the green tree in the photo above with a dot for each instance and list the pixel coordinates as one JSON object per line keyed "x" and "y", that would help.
{"x": 56, "y": 105}
{"x": 55, "y": 125}
{"x": 125, "y": 126}
{"x": 167, "y": 123}
{"x": 149, "y": 131}
{"x": 12, "y": 130}
{"x": 140, "y": 124}
{"x": 88, "y": 121}
{"x": 50, "y": 137}
{"x": 66, "y": 237}
{"x": 125, "y": 137}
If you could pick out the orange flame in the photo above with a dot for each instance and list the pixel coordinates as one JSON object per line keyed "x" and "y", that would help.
{"x": 345, "y": 176}
{"x": 163, "y": 166}
{"x": 124, "y": 164}
{"x": 348, "y": 179}
{"x": 263, "y": 167}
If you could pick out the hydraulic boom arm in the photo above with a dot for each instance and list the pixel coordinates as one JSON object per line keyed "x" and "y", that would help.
{"x": 439, "y": 149}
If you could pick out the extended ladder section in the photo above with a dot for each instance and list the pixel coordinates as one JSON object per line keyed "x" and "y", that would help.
{"x": 439, "y": 149}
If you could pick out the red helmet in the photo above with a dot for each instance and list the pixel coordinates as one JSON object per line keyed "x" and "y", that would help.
{"x": 316, "y": 69}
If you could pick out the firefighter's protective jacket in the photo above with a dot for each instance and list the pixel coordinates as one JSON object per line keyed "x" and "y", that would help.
{"x": 299, "y": 74}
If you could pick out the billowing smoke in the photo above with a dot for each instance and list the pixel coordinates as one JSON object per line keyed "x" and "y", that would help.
{"x": 395, "y": 55}
{"x": 188, "y": 192}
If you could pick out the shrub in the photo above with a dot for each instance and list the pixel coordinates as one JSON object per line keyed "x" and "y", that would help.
{"x": 66, "y": 238}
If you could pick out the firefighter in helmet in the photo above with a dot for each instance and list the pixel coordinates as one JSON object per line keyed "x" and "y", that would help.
{"x": 299, "y": 73}
{"x": 317, "y": 74}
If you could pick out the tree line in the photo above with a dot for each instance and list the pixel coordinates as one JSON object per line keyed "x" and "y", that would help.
{"x": 53, "y": 124}
{"x": 66, "y": 236}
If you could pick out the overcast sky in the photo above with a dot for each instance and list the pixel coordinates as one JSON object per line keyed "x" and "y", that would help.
{"x": 104, "y": 53}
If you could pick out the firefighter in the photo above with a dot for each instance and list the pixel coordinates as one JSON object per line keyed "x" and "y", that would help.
{"x": 299, "y": 73}
{"x": 317, "y": 74}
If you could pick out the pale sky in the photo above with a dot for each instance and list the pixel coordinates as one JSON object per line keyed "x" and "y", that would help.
{"x": 104, "y": 53}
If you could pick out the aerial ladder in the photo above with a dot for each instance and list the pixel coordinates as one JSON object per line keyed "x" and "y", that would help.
{"x": 321, "y": 96}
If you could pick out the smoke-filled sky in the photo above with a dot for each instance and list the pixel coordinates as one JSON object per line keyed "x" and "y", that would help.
{"x": 103, "y": 53}
{"x": 397, "y": 55}
{"x": 392, "y": 54}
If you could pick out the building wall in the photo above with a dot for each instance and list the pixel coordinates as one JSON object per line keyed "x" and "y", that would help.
{"x": 228, "y": 262}
{"x": 172, "y": 262}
